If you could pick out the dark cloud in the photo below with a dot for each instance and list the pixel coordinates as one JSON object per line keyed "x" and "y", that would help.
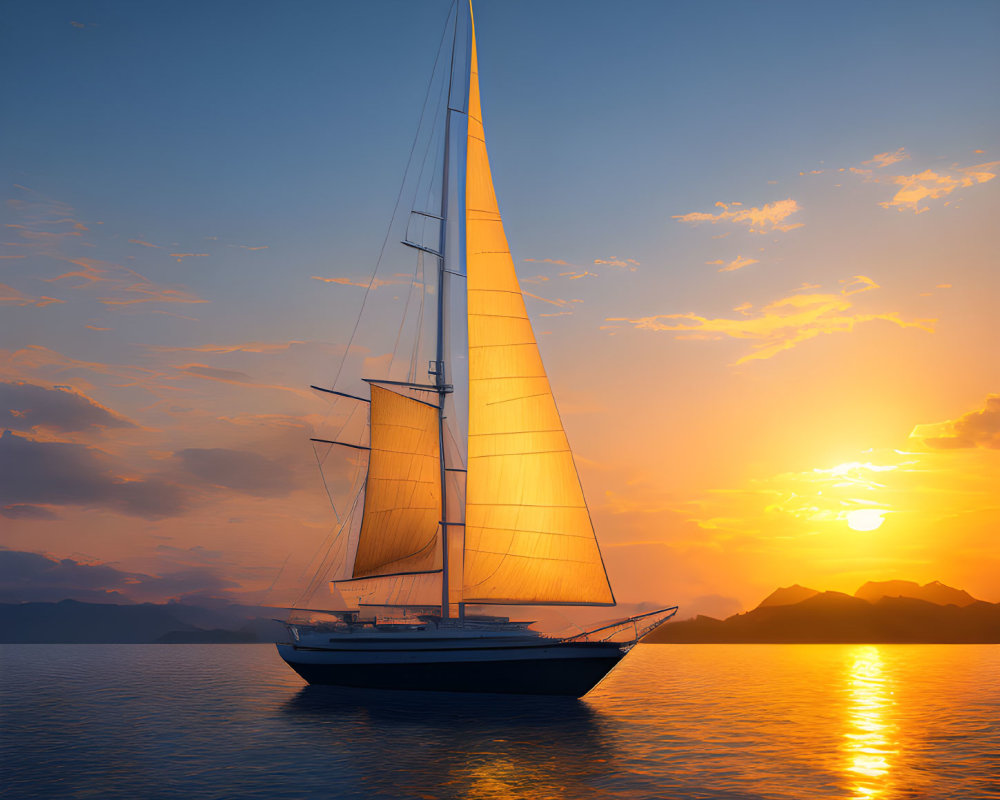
{"x": 62, "y": 473}
{"x": 975, "y": 429}
{"x": 24, "y": 406}
{"x": 241, "y": 470}
{"x": 24, "y": 511}
{"x": 33, "y": 577}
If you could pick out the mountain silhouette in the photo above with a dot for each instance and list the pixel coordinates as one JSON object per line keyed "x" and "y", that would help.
{"x": 834, "y": 617}
{"x": 788, "y": 596}
{"x": 934, "y": 592}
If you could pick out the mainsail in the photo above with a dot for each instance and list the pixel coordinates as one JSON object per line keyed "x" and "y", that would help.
{"x": 528, "y": 536}
{"x": 528, "y": 533}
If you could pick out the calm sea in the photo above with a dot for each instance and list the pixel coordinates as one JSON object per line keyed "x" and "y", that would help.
{"x": 672, "y": 721}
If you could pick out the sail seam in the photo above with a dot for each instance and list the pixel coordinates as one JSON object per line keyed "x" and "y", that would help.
{"x": 518, "y": 505}
{"x": 525, "y": 530}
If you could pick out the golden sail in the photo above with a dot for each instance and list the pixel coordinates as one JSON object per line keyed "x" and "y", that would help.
{"x": 403, "y": 492}
{"x": 528, "y": 534}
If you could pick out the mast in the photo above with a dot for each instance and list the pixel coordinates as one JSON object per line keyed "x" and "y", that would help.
{"x": 439, "y": 364}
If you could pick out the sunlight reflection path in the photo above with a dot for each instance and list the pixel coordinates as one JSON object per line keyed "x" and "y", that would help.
{"x": 870, "y": 738}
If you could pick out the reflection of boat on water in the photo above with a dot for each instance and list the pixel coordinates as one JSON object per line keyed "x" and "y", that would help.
{"x": 455, "y": 746}
{"x": 470, "y": 493}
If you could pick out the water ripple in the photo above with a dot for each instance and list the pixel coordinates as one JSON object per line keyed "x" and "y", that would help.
{"x": 673, "y": 721}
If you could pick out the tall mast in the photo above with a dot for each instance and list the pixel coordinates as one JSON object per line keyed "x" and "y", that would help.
{"x": 439, "y": 366}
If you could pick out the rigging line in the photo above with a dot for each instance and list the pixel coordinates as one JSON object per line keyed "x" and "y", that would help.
{"x": 411, "y": 371}
{"x": 418, "y": 268}
{"x": 322, "y": 477}
{"x": 399, "y": 197}
{"x": 323, "y": 566}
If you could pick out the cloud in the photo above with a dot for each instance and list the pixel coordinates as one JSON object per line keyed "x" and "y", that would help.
{"x": 251, "y": 247}
{"x": 974, "y": 429}
{"x": 62, "y": 473}
{"x": 625, "y": 263}
{"x": 737, "y": 263}
{"x": 557, "y": 302}
{"x": 9, "y": 296}
{"x": 885, "y": 159}
{"x": 24, "y": 406}
{"x": 780, "y": 325}
{"x": 929, "y": 185}
{"x": 916, "y": 189}
{"x": 144, "y": 244}
{"x": 573, "y": 276}
{"x": 245, "y": 347}
{"x": 49, "y": 366}
{"x": 25, "y": 511}
{"x": 126, "y": 286}
{"x": 241, "y": 470}
{"x": 181, "y": 256}
{"x": 216, "y": 374}
{"x": 769, "y": 217}
{"x": 375, "y": 283}
{"x": 236, "y": 377}
{"x": 557, "y": 261}
{"x": 35, "y": 577}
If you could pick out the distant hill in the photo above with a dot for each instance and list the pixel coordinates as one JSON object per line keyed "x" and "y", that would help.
{"x": 833, "y": 617}
{"x": 70, "y": 622}
{"x": 934, "y": 592}
{"x": 788, "y": 596}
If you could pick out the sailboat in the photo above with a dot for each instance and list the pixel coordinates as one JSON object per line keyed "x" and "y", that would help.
{"x": 470, "y": 499}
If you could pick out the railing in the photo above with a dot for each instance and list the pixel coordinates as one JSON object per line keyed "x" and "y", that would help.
{"x": 633, "y": 628}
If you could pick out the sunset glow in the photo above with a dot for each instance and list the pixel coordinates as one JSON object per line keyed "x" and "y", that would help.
{"x": 865, "y": 519}
{"x": 762, "y": 339}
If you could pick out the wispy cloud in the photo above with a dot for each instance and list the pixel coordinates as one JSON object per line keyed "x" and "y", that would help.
{"x": 557, "y": 261}
{"x": 9, "y": 296}
{"x": 144, "y": 244}
{"x": 974, "y": 429}
{"x": 236, "y": 377}
{"x": 557, "y": 302}
{"x": 780, "y": 325}
{"x": 767, "y": 218}
{"x": 362, "y": 284}
{"x": 573, "y": 276}
{"x": 886, "y": 159}
{"x": 122, "y": 286}
{"x": 244, "y": 347}
{"x": 915, "y": 189}
{"x": 929, "y": 185}
{"x": 624, "y": 263}
{"x": 181, "y": 256}
{"x": 737, "y": 263}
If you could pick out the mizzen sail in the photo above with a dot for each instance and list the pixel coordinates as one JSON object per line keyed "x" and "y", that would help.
{"x": 528, "y": 533}
{"x": 399, "y": 529}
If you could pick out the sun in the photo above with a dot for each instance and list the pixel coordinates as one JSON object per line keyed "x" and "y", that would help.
{"x": 865, "y": 519}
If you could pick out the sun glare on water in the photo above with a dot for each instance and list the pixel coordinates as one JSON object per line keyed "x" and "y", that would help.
{"x": 865, "y": 519}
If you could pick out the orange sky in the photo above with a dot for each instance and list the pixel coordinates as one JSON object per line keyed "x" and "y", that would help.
{"x": 787, "y": 333}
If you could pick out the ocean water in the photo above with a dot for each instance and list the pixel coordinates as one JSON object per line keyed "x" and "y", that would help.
{"x": 672, "y": 721}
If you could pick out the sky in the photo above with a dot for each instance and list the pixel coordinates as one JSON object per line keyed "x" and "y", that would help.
{"x": 759, "y": 243}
